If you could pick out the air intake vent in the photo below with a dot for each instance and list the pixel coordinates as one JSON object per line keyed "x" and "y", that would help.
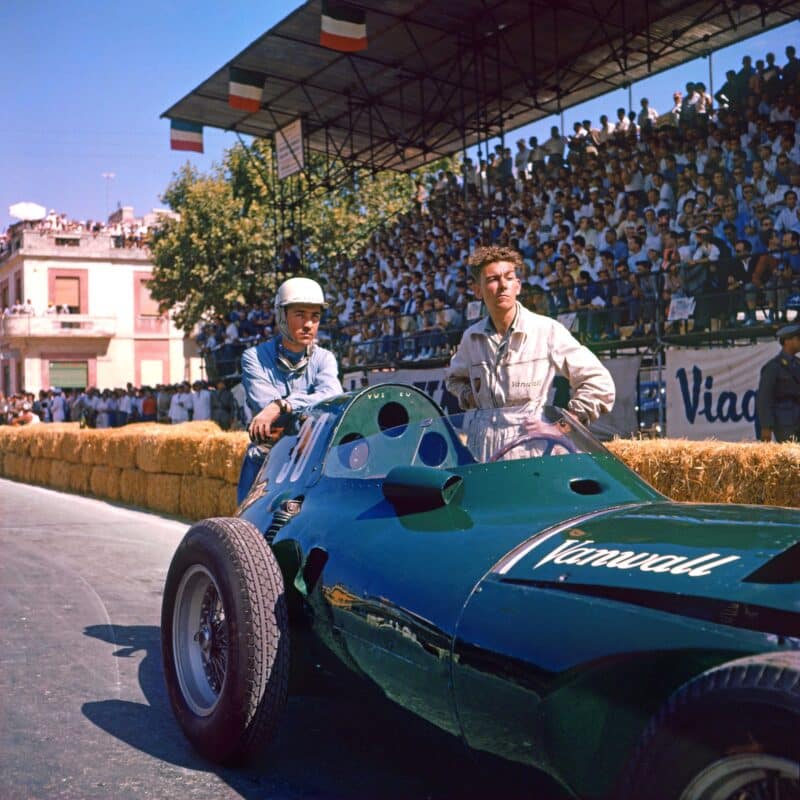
{"x": 585, "y": 486}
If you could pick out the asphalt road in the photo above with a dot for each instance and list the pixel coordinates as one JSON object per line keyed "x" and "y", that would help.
{"x": 83, "y": 709}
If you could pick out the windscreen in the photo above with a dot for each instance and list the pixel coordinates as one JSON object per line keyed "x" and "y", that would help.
{"x": 479, "y": 436}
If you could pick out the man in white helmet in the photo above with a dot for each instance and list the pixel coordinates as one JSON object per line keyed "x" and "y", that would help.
{"x": 288, "y": 372}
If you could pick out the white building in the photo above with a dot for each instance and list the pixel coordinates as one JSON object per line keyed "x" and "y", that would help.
{"x": 113, "y": 333}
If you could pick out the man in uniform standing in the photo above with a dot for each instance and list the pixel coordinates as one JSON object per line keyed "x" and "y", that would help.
{"x": 779, "y": 390}
{"x": 508, "y": 360}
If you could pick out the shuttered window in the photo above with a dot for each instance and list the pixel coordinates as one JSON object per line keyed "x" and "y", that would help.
{"x": 68, "y": 293}
{"x": 147, "y": 306}
{"x": 69, "y": 374}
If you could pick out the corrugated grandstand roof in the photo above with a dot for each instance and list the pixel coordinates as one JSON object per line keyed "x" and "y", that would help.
{"x": 439, "y": 75}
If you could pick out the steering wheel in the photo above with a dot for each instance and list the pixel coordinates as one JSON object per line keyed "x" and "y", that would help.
{"x": 537, "y": 436}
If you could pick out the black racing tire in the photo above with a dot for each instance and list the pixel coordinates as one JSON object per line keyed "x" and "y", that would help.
{"x": 225, "y": 640}
{"x": 731, "y": 732}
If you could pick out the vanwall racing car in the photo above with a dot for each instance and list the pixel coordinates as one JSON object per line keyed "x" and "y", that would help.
{"x": 508, "y": 580}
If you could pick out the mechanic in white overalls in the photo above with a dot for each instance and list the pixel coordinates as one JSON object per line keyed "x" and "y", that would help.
{"x": 506, "y": 362}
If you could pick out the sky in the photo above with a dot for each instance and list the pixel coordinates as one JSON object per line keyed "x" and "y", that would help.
{"x": 83, "y": 84}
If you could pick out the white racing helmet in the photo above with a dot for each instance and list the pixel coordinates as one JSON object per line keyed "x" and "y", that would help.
{"x": 296, "y": 291}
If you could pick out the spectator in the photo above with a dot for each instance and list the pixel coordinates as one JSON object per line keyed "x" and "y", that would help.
{"x": 201, "y": 401}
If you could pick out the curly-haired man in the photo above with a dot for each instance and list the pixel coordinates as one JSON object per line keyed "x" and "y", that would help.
{"x": 509, "y": 358}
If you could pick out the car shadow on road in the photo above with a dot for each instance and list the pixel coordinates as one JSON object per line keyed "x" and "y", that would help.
{"x": 328, "y": 746}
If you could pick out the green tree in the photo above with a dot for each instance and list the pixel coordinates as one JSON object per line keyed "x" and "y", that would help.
{"x": 213, "y": 254}
{"x": 226, "y": 243}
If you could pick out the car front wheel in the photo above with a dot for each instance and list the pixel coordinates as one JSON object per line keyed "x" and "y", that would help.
{"x": 225, "y": 640}
{"x": 728, "y": 734}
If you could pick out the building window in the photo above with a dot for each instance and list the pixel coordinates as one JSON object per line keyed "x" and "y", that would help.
{"x": 147, "y": 306}
{"x": 68, "y": 293}
{"x": 69, "y": 374}
{"x": 18, "y": 287}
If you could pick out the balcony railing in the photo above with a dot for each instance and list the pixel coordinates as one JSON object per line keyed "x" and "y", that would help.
{"x": 21, "y": 326}
{"x": 103, "y": 244}
{"x": 152, "y": 324}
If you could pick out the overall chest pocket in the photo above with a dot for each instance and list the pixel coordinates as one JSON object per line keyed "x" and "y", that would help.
{"x": 524, "y": 377}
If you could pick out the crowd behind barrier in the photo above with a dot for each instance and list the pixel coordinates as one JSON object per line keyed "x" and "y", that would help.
{"x": 114, "y": 408}
{"x": 652, "y": 225}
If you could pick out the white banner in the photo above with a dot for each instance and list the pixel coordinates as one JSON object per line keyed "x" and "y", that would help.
{"x": 289, "y": 149}
{"x": 712, "y": 393}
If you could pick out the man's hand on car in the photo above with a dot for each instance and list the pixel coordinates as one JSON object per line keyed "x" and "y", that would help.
{"x": 261, "y": 430}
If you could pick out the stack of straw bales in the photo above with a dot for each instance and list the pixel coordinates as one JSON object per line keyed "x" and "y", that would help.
{"x": 709, "y": 471}
{"x": 191, "y": 470}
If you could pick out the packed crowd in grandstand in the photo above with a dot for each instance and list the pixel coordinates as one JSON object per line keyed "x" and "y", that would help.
{"x": 652, "y": 224}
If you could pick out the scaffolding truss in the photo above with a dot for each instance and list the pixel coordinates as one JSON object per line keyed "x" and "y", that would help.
{"x": 440, "y": 76}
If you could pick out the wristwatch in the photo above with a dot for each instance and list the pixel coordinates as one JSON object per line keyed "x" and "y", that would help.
{"x": 283, "y": 405}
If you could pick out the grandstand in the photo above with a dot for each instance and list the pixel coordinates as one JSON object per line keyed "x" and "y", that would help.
{"x": 638, "y": 230}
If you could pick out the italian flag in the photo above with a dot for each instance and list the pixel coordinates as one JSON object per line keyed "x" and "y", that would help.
{"x": 185, "y": 135}
{"x": 245, "y": 88}
{"x": 343, "y": 27}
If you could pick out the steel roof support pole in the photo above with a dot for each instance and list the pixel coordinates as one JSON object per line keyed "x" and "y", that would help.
{"x": 479, "y": 112}
{"x": 281, "y": 216}
{"x": 711, "y": 72}
{"x": 463, "y": 104}
{"x": 268, "y": 185}
{"x": 556, "y": 52}
{"x": 534, "y": 66}
{"x": 350, "y": 123}
{"x": 497, "y": 35}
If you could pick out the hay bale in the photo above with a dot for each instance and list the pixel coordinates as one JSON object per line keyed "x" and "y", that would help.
{"x": 17, "y": 467}
{"x": 148, "y": 448}
{"x": 47, "y": 439}
{"x": 221, "y": 456}
{"x": 163, "y": 492}
{"x": 226, "y": 503}
{"x": 71, "y": 445}
{"x": 715, "y": 472}
{"x": 58, "y": 475}
{"x": 93, "y": 447}
{"x": 40, "y": 471}
{"x": 779, "y": 467}
{"x": 79, "y": 478}
{"x": 15, "y": 440}
{"x": 133, "y": 487}
{"x": 105, "y": 482}
{"x": 120, "y": 450}
{"x": 199, "y": 497}
{"x": 177, "y": 455}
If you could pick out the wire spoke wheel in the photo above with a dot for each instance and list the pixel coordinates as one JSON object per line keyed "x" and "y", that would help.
{"x": 200, "y": 640}
{"x": 225, "y": 640}
{"x": 748, "y": 776}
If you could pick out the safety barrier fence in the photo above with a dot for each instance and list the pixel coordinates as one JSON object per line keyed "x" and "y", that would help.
{"x": 191, "y": 470}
